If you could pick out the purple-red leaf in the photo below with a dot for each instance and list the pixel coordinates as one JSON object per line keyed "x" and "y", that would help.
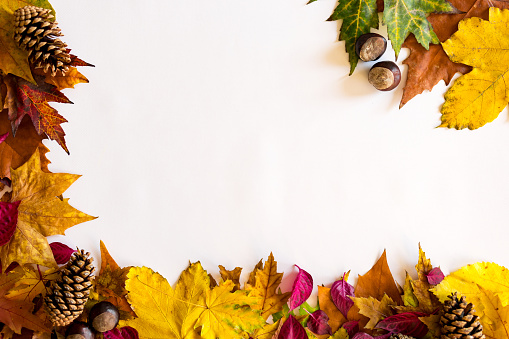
{"x": 301, "y": 289}
{"x": 340, "y": 293}
{"x": 126, "y": 332}
{"x": 362, "y": 335}
{"x": 61, "y": 252}
{"x": 8, "y": 220}
{"x": 407, "y": 323}
{"x": 435, "y": 276}
{"x": 292, "y": 329}
{"x": 318, "y": 323}
{"x": 352, "y": 327}
{"x": 3, "y": 137}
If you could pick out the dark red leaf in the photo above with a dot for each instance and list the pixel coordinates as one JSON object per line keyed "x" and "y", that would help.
{"x": 8, "y": 220}
{"x": 340, "y": 293}
{"x": 407, "y": 323}
{"x": 292, "y": 329}
{"x": 126, "y": 332}
{"x": 61, "y": 252}
{"x": 435, "y": 276}
{"x": 318, "y": 323}
{"x": 301, "y": 289}
{"x": 362, "y": 335}
{"x": 352, "y": 327}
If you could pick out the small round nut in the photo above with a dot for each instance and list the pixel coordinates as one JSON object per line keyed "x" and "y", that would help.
{"x": 103, "y": 316}
{"x": 384, "y": 75}
{"x": 370, "y": 46}
{"x": 79, "y": 330}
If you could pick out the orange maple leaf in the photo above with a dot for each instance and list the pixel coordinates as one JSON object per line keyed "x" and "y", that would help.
{"x": 25, "y": 98}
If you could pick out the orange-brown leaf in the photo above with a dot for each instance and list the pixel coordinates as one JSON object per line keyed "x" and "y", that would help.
{"x": 336, "y": 318}
{"x": 72, "y": 77}
{"x": 427, "y": 68}
{"x": 15, "y": 151}
{"x": 233, "y": 275}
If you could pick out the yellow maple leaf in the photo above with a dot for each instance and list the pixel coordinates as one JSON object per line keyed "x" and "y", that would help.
{"x": 164, "y": 312}
{"x": 267, "y": 331}
{"x": 466, "y": 281}
{"x": 41, "y": 213}
{"x": 477, "y": 98}
{"x": 265, "y": 288}
{"x": 374, "y": 309}
{"x": 32, "y": 283}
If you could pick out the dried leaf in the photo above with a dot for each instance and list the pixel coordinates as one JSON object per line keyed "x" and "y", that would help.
{"x": 25, "y": 98}
{"x": 265, "y": 289}
{"x": 359, "y": 17}
{"x": 409, "y": 298}
{"x": 374, "y": 309}
{"x": 341, "y": 291}
{"x": 336, "y": 318}
{"x": 478, "y": 97}
{"x": 318, "y": 323}
{"x": 301, "y": 289}
{"x": 17, "y": 150}
{"x": 72, "y": 77}
{"x": 32, "y": 283}
{"x": 292, "y": 329}
{"x": 61, "y": 252}
{"x": 433, "y": 324}
{"x": 405, "y": 323}
{"x": 233, "y": 275}
{"x": 251, "y": 281}
{"x": 41, "y": 213}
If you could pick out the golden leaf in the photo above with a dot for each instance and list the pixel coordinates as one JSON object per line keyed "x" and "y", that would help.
{"x": 72, "y": 77}
{"x": 265, "y": 288}
{"x": 477, "y": 98}
{"x": 233, "y": 275}
{"x": 374, "y": 309}
{"x": 40, "y": 214}
{"x": 251, "y": 281}
{"x": 496, "y": 315}
{"x": 409, "y": 298}
{"x": 32, "y": 283}
{"x": 267, "y": 331}
{"x": 336, "y": 318}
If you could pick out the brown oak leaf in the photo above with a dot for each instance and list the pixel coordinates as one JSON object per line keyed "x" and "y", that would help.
{"x": 427, "y": 67}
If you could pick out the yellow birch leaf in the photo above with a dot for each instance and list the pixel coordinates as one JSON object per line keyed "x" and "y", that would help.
{"x": 374, "y": 309}
{"x": 265, "y": 288}
{"x": 41, "y": 213}
{"x": 72, "y": 77}
{"x": 466, "y": 280}
{"x": 495, "y": 318}
{"x": 226, "y": 314}
{"x": 477, "y": 98}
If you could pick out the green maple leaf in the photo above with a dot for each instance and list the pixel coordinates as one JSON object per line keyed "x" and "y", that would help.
{"x": 359, "y": 16}
{"x": 403, "y": 17}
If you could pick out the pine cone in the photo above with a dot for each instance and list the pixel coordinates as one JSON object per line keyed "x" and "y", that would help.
{"x": 458, "y": 320}
{"x": 36, "y": 33}
{"x": 69, "y": 294}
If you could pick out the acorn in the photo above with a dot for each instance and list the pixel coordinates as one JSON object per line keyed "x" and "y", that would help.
{"x": 384, "y": 75}
{"x": 103, "y": 316}
{"x": 370, "y": 46}
{"x": 79, "y": 330}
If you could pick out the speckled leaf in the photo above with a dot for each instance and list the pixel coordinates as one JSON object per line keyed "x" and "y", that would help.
{"x": 318, "y": 323}
{"x": 403, "y": 17}
{"x": 302, "y": 288}
{"x": 359, "y": 16}
{"x": 292, "y": 329}
{"x": 8, "y": 220}
{"x": 341, "y": 291}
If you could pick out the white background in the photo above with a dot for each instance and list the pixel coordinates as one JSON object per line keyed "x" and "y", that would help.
{"x": 223, "y": 130}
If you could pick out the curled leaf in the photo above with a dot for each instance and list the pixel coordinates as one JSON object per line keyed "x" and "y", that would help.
{"x": 292, "y": 329}
{"x": 340, "y": 292}
{"x": 407, "y": 323}
{"x": 8, "y": 220}
{"x": 61, "y": 252}
{"x": 301, "y": 289}
{"x": 318, "y": 323}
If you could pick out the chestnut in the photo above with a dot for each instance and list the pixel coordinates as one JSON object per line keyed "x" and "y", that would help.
{"x": 103, "y": 316}
{"x": 79, "y": 330}
{"x": 384, "y": 75}
{"x": 370, "y": 46}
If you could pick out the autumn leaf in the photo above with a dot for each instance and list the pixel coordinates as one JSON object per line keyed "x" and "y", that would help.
{"x": 292, "y": 329}
{"x": 359, "y": 16}
{"x": 427, "y": 67}
{"x": 32, "y": 283}
{"x": 478, "y": 97}
{"x": 266, "y": 332}
{"x": 409, "y": 299}
{"x": 25, "y": 98}
{"x": 301, "y": 289}
{"x": 233, "y": 275}
{"x": 467, "y": 280}
{"x": 61, "y": 252}
{"x": 166, "y": 313}
{"x": 495, "y": 318}
{"x": 8, "y": 220}
{"x": 265, "y": 288}
{"x": 68, "y": 80}
{"x": 403, "y": 17}
{"x": 374, "y": 309}
{"x": 406, "y": 323}
{"x": 17, "y": 150}
{"x": 110, "y": 283}
{"x": 341, "y": 291}
{"x": 40, "y": 214}
{"x": 336, "y": 318}
{"x": 251, "y": 281}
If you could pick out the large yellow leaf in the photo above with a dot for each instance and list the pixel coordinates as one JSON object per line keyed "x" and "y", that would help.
{"x": 466, "y": 281}
{"x": 495, "y": 319}
{"x": 265, "y": 288}
{"x": 478, "y": 97}
{"x": 41, "y": 213}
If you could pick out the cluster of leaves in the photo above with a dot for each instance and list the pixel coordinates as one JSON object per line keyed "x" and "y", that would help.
{"x": 26, "y": 91}
{"x": 440, "y": 48}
